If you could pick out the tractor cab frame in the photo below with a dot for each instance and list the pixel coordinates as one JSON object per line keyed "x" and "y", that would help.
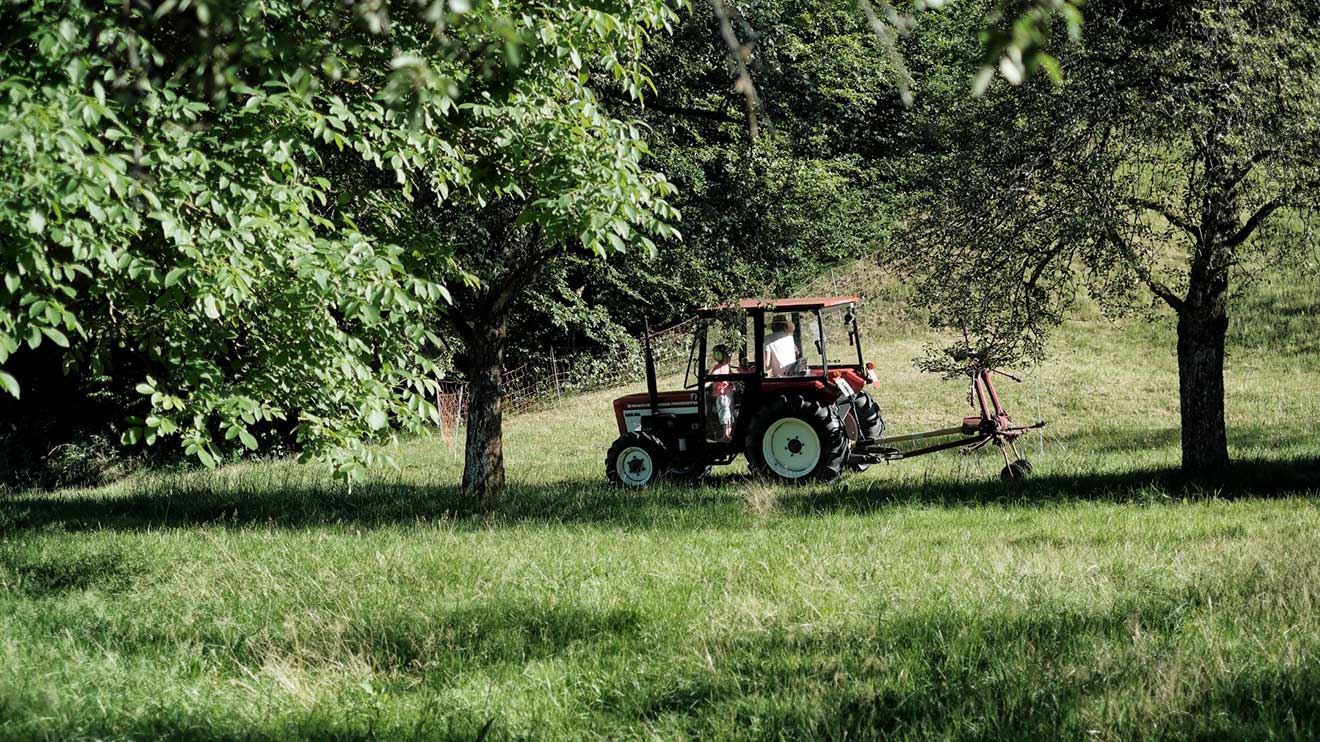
{"x": 752, "y": 376}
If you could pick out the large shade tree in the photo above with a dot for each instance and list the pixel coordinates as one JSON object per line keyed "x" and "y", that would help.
{"x": 764, "y": 214}
{"x": 168, "y": 194}
{"x": 1181, "y": 154}
{"x": 553, "y": 175}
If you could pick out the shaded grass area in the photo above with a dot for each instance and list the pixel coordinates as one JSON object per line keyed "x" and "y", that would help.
{"x": 1109, "y": 597}
{"x": 1122, "y": 604}
{"x": 182, "y": 502}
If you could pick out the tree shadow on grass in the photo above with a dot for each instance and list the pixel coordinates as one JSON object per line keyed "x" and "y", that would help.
{"x": 1127, "y": 440}
{"x": 1247, "y": 479}
{"x": 409, "y": 651}
{"x": 197, "y": 501}
{"x": 184, "y": 502}
{"x": 954, "y": 671}
{"x": 951, "y": 675}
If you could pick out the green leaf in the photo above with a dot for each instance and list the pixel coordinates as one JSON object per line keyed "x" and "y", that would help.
{"x": 56, "y": 336}
{"x": 248, "y": 439}
{"x": 407, "y": 60}
{"x": 206, "y": 458}
{"x": 36, "y": 222}
{"x": 174, "y": 275}
{"x": 376, "y": 420}
{"x": 10, "y": 384}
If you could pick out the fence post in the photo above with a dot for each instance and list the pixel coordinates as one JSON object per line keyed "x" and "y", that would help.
{"x": 440, "y": 409}
{"x": 458, "y": 417}
{"x": 554, "y": 371}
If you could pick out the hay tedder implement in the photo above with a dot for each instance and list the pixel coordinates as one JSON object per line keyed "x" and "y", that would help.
{"x": 796, "y": 407}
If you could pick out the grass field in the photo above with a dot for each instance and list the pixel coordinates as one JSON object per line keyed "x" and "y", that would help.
{"x": 1103, "y": 599}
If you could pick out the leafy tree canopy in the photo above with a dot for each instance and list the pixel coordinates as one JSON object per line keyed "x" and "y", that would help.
{"x": 171, "y": 189}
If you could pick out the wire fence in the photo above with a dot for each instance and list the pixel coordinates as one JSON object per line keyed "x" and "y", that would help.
{"x": 534, "y": 385}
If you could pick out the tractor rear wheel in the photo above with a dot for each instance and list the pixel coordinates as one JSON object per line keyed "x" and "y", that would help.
{"x": 636, "y": 459}
{"x": 796, "y": 439}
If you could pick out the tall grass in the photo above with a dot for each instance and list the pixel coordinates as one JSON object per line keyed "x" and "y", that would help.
{"x": 1106, "y": 598}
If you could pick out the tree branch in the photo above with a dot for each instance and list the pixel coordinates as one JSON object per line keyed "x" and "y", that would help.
{"x": 520, "y": 278}
{"x": 460, "y": 325}
{"x": 1165, "y": 212}
{"x": 1261, "y": 215}
{"x": 1246, "y": 169}
{"x": 1044, "y": 263}
{"x": 739, "y": 53}
{"x": 1159, "y": 289}
{"x": 694, "y": 113}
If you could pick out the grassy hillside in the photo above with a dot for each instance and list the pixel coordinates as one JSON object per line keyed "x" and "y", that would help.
{"x": 924, "y": 599}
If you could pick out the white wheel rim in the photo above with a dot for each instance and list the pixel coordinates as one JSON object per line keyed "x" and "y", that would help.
{"x": 791, "y": 448}
{"x": 634, "y": 466}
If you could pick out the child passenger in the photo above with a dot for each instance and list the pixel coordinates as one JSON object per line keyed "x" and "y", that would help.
{"x": 722, "y": 391}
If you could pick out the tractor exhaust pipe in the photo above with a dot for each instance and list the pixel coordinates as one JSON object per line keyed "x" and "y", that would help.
{"x": 651, "y": 392}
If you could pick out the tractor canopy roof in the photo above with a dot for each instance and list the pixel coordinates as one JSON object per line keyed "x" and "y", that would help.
{"x": 801, "y": 303}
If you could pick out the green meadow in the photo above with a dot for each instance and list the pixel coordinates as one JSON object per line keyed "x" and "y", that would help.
{"x": 1105, "y": 598}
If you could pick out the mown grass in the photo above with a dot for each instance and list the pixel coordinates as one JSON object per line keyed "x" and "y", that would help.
{"x": 1106, "y": 598}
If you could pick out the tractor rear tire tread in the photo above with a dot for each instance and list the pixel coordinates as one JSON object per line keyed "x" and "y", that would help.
{"x": 821, "y": 417}
{"x": 870, "y": 423}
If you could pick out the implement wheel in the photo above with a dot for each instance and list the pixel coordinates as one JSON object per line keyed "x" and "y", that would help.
{"x": 795, "y": 439}
{"x": 1015, "y": 471}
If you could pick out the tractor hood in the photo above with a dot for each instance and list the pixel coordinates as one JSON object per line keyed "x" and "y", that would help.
{"x": 630, "y": 409}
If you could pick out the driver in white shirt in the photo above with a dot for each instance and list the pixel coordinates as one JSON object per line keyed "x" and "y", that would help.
{"x": 781, "y": 350}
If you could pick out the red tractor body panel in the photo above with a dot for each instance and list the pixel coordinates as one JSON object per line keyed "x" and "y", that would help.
{"x": 630, "y": 409}
{"x": 851, "y": 377}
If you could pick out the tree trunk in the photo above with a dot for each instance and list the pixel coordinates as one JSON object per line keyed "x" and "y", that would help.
{"x": 483, "y": 465}
{"x": 1202, "y": 327}
{"x": 1201, "y": 392}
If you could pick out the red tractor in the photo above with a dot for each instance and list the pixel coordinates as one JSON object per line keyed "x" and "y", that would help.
{"x": 794, "y": 404}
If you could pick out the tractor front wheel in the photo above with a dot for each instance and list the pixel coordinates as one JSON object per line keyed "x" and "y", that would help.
{"x": 796, "y": 439}
{"x": 636, "y": 460}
